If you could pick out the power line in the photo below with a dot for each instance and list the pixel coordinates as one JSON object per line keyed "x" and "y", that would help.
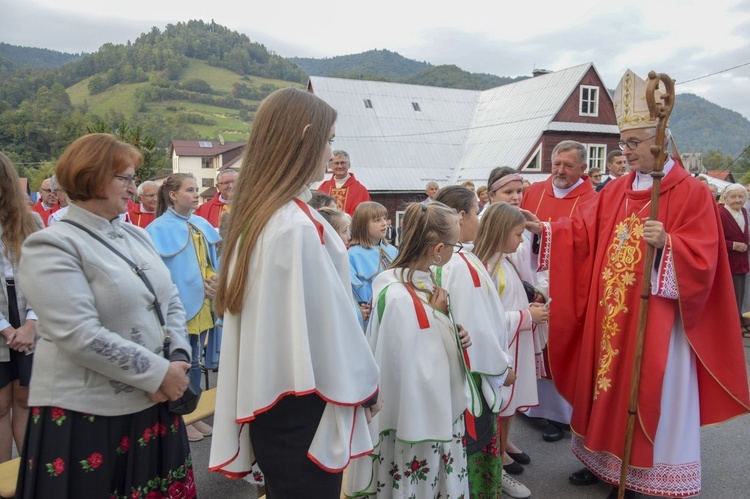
{"x": 713, "y": 74}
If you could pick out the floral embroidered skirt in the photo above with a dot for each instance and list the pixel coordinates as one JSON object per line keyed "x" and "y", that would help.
{"x": 423, "y": 470}
{"x": 486, "y": 467}
{"x": 70, "y": 454}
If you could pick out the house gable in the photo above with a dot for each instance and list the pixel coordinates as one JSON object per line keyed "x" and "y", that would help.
{"x": 570, "y": 112}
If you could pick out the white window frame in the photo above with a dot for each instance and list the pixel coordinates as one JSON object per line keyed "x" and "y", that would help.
{"x": 538, "y": 156}
{"x": 399, "y": 221}
{"x": 591, "y": 102}
{"x": 597, "y": 160}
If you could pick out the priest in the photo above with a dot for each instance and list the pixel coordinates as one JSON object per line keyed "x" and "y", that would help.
{"x": 342, "y": 186}
{"x": 693, "y": 370}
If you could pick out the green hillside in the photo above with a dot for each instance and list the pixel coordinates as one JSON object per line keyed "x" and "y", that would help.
{"x": 380, "y": 64}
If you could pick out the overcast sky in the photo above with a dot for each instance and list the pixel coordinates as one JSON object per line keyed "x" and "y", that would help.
{"x": 684, "y": 38}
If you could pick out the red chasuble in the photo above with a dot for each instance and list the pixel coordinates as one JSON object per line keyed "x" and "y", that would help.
{"x": 540, "y": 200}
{"x": 595, "y": 277}
{"x": 351, "y": 194}
{"x": 139, "y": 217}
{"x": 211, "y": 210}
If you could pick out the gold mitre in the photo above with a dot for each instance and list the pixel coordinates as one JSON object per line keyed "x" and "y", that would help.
{"x": 631, "y": 108}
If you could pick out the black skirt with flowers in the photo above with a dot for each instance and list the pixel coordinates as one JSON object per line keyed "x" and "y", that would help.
{"x": 70, "y": 454}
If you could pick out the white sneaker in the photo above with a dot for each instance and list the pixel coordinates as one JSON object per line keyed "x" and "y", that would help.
{"x": 514, "y": 488}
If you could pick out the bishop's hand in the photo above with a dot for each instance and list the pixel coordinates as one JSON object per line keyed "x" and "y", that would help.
{"x": 654, "y": 233}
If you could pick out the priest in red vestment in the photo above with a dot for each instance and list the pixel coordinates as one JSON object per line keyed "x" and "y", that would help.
{"x": 214, "y": 209}
{"x": 693, "y": 370}
{"x": 47, "y": 204}
{"x": 566, "y": 189}
{"x": 144, "y": 212}
{"x": 342, "y": 186}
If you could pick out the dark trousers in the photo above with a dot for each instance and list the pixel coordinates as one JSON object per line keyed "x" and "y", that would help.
{"x": 281, "y": 438}
{"x": 738, "y": 280}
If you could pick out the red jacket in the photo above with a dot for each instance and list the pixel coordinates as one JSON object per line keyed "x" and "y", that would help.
{"x": 351, "y": 194}
{"x": 39, "y": 208}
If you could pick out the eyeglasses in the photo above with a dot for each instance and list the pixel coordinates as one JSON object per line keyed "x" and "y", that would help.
{"x": 226, "y": 182}
{"x": 147, "y": 195}
{"x": 596, "y": 176}
{"x": 458, "y": 246}
{"x": 632, "y": 143}
{"x": 127, "y": 179}
{"x": 337, "y": 163}
{"x": 48, "y": 191}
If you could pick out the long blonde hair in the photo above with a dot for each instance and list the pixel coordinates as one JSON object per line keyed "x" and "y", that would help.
{"x": 16, "y": 219}
{"x": 282, "y": 155}
{"x": 498, "y": 220}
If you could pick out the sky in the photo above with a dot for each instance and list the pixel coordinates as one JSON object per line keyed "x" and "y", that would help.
{"x": 686, "y": 39}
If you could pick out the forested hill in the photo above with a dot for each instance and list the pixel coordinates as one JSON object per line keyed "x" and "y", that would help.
{"x": 384, "y": 65}
{"x": 15, "y": 57}
{"x": 700, "y": 125}
{"x": 370, "y": 65}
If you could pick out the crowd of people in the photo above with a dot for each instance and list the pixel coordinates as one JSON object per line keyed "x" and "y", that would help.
{"x": 401, "y": 355}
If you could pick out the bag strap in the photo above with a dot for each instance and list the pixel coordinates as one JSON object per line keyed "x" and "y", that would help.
{"x": 137, "y": 270}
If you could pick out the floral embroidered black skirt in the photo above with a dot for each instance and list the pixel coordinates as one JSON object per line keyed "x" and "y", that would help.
{"x": 70, "y": 454}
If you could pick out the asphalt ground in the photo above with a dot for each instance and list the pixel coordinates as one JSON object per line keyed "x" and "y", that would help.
{"x": 725, "y": 452}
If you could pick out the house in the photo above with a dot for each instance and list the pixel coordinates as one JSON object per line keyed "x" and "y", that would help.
{"x": 400, "y": 136}
{"x": 204, "y": 159}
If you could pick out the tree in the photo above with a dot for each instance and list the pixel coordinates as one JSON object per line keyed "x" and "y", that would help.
{"x": 154, "y": 158}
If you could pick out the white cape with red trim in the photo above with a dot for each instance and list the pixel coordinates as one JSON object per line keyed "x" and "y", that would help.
{"x": 297, "y": 333}
{"x": 477, "y": 307}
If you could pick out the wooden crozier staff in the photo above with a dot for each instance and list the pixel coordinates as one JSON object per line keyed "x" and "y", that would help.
{"x": 660, "y": 111}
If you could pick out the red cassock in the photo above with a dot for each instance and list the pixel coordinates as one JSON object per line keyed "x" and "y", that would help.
{"x": 348, "y": 196}
{"x": 39, "y": 208}
{"x": 540, "y": 199}
{"x": 595, "y": 276}
{"x": 139, "y": 217}
{"x": 211, "y": 210}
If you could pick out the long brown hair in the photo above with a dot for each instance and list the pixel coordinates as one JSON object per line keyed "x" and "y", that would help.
{"x": 498, "y": 220}
{"x": 424, "y": 225}
{"x": 170, "y": 184}
{"x": 282, "y": 156}
{"x": 364, "y": 213}
{"x": 16, "y": 220}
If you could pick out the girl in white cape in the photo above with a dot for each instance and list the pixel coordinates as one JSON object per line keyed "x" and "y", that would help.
{"x": 424, "y": 380}
{"x": 500, "y": 235}
{"x": 295, "y": 374}
{"x": 476, "y": 305}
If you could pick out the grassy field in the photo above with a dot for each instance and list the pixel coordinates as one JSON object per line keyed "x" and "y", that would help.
{"x": 121, "y": 98}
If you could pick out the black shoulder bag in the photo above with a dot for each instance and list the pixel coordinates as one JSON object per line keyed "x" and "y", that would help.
{"x": 189, "y": 400}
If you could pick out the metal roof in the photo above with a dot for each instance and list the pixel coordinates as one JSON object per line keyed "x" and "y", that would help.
{"x": 566, "y": 126}
{"x": 453, "y": 135}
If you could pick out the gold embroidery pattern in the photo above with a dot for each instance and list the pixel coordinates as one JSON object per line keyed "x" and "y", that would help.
{"x": 618, "y": 276}
{"x": 340, "y": 196}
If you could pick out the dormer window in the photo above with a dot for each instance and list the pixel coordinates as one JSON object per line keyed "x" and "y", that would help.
{"x": 589, "y": 101}
{"x": 415, "y": 105}
{"x": 368, "y": 104}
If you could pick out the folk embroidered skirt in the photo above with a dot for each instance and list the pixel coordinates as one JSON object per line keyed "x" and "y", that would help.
{"x": 70, "y": 454}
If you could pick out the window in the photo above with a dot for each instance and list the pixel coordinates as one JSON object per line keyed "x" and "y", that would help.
{"x": 535, "y": 163}
{"x": 589, "y": 101}
{"x": 597, "y": 156}
{"x": 415, "y": 105}
{"x": 205, "y": 144}
{"x": 207, "y": 163}
{"x": 368, "y": 104}
{"x": 207, "y": 182}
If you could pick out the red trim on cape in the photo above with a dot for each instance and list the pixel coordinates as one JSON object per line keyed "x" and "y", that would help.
{"x": 318, "y": 226}
{"x": 472, "y": 271}
{"x": 419, "y": 309}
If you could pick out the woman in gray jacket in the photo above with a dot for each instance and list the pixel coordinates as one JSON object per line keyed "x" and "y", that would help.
{"x": 97, "y": 425}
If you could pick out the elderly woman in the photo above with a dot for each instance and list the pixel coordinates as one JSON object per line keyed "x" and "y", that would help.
{"x": 97, "y": 425}
{"x": 17, "y": 320}
{"x": 737, "y": 236}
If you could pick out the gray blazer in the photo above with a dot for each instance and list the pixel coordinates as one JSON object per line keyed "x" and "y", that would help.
{"x": 100, "y": 342}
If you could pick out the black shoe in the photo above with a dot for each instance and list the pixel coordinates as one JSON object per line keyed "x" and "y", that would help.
{"x": 553, "y": 433}
{"x": 583, "y": 477}
{"x": 513, "y": 468}
{"x": 629, "y": 494}
{"x": 520, "y": 457}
